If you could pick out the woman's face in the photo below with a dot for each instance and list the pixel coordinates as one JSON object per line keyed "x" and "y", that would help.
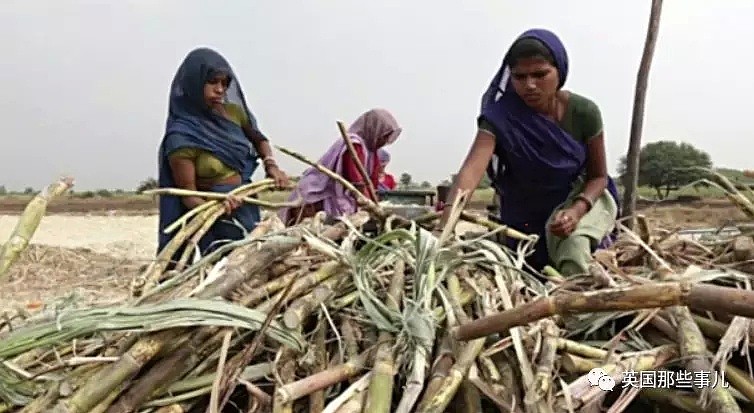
{"x": 535, "y": 80}
{"x": 214, "y": 90}
{"x": 383, "y": 140}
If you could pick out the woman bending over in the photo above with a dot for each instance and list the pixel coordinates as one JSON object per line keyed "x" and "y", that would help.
{"x": 544, "y": 150}
{"x": 211, "y": 143}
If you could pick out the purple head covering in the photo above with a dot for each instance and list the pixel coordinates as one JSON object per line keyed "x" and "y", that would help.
{"x": 369, "y": 130}
{"x": 536, "y": 160}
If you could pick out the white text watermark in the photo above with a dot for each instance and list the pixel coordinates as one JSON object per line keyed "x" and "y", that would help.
{"x": 658, "y": 379}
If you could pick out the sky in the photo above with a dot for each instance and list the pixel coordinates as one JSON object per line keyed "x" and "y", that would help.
{"x": 86, "y": 82}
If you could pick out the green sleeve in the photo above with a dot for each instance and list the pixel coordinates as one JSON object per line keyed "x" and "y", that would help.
{"x": 591, "y": 120}
{"x": 186, "y": 153}
{"x": 485, "y": 125}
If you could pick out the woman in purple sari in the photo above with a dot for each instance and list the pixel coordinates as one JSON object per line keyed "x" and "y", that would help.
{"x": 543, "y": 148}
{"x": 373, "y": 130}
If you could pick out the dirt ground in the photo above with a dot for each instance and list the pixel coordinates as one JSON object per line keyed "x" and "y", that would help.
{"x": 90, "y": 249}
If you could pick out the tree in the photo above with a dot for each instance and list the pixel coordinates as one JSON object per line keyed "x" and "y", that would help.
{"x": 426, "y": 184}
{"x": 406, "y": 180}
{"x": 637, "y": 118}
{"x": 664, "y": 166}
{"x": 147, "y": 184}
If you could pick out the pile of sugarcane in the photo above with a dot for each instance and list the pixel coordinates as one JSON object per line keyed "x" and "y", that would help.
{"x": 328, "y": 318}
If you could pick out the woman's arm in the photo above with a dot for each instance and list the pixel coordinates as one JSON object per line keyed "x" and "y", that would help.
{"x": 596, "y": 173}
{"x": 472, "y": 170}
{"x": 184, "y": 175}
{"x": 263, "y": 148}
{"x": 261, "y": 145}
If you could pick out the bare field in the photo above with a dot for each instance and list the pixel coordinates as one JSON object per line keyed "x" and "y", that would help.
{"x": 91, "y": 248}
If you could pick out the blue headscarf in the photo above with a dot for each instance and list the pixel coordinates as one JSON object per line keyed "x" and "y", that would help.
{"x": 192, "y": 124}
{"x": 537, "y": 161}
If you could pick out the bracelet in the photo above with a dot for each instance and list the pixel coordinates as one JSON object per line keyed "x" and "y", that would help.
{"x": 589, "y": 203}
{"x": 268, "y": 160}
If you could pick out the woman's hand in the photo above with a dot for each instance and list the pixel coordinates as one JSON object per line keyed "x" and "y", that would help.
{"x": 281, "y": 179}
{"x": 566, "y": 220}
{"x": 232, "y": 203}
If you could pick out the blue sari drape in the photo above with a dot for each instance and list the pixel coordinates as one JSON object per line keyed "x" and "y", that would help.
{"x": 537, "y": 161}
{"x": 191, "y": 124}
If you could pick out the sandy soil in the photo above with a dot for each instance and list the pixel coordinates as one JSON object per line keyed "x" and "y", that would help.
{"x": 89, "y": 258}
{"x": 120, "y": 236}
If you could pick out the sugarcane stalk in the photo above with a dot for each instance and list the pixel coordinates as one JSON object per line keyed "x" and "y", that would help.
{"x": 380, "y": 392}
{"x": 181, "y": 221}
{"x": 354, "y": 404}
{"x": 102, "y": 407}
{"x": 317, "y": 399}
{"x": 303, "y": 284}
{"x": 544, "y": 375}
{"x": 582, "y": 392}
{"x": 242, "y": 263}
{"x": 524, "y": 364}
{"x": 293, "y": 391}
{"x": 274, "y": 286}
{"x": 468, "y": 399}
{"x": 495, "y": 392}
{"x": 228, "y": 376}
{"x": 360, "y": 166}
{"x": 694, "y": 351}
{"x": 493, "y": 226}
{"x": 286, "y": 374}
{"x": 41, "y": 404}
{"x": 173, "y": 408}
{"x": 249, "y": 199}
{"x": 104, "y": 381}
{"x": 673, "y": 398}
{"x": 441, "y": 366}
{"x": 667, "y": 294}
{"x": 166, "y": 370}
{"x": 216, "y": 212}
{"x": 343, "y": 301}
{"x": 574, "y": 347}
{"x": 440, "y": 400}
{"x": 28, "y": 222}
{"x": 355, "y": 388}
{"x": 151, "y": 275}
{"x": 415, "y": 381}
{"x": 303, "y": 306}
{"x": 737, "y": 378}
{"x": 350, "y": 342}
{"x": 173, "y": 366}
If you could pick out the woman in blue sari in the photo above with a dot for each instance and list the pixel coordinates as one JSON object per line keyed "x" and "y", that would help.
{"x": 211, "y": 143}
{"x": 543, "y": 148}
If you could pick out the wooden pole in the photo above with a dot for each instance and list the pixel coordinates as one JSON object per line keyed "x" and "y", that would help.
{"x": 637, "y": 118}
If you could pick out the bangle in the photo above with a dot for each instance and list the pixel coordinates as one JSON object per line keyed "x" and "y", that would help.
{"x": 268, "y": 160}
{"x": 589, "y": 203}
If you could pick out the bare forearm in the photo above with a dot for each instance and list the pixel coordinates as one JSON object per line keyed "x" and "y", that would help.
{"x": 593, "y": 189}
{"x": 471, "y": 172}
{"x": 263, "y": 147}
{"x": 466, "y": 181}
